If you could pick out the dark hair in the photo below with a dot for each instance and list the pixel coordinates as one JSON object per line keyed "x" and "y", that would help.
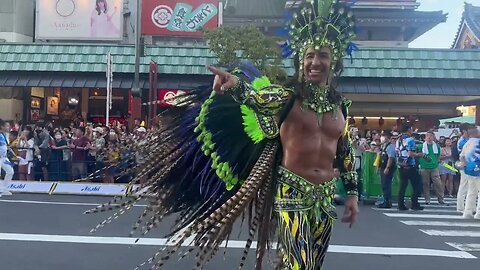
{"x": 40, "y": 125}
{"x": 30, "y": 132}
{"x": 2, "y": 122}
{"x": 405, "y": 127}
{"x": 98, "y": 8}
{"x": 14, "y": 133}
{"x": 82, "y": 129}
{"x": 464, "y": 127}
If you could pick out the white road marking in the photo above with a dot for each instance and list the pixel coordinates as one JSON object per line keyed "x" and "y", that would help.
{"x": 465, "y": 247}
{"x": 450, "y": 233}
{"x": 231, "y": 244}
{"x": 399, "y": 251}
{"x": 440, "y": 223}
{"x": 414, "y": 215}
{"x": 445, "y": 206}
{"x": 62, "y": 203}
{"x": 426, "y": 210}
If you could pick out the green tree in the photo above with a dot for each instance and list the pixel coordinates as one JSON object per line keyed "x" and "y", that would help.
{"x": 234, "y": 44}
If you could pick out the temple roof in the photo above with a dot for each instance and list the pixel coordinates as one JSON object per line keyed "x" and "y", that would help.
{"x": 470, "y": 17}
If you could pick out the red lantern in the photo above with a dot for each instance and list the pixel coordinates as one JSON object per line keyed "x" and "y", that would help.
{"x": 364, "y": 121}
{"x": 381, "y": 121}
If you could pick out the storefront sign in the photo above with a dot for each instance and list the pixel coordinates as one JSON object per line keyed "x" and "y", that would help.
{"x": 178, "y": 18}
{"x": 79, "y": 19}
{"x": 30, "y": 187}
{"x": 169, "y": 98}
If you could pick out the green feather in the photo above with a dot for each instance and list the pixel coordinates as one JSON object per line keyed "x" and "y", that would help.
{"x": 324, "y": 7}
{"x": 260, "y": 83}
{"x": 250, "y": 124}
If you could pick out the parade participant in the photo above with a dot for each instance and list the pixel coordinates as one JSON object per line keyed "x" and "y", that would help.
{"x": 463, "y": 186}
{"x": 5, "y": 164}
{"x": 261, "y": 149}
{"x": 406, "y": 149}
{"x": 470, "y": 157}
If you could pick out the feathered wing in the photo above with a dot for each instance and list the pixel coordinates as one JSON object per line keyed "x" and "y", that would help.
{"x": 205, "y": 164}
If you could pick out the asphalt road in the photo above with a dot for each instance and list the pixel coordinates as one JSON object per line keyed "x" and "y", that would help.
{"x": 40, "y": 232}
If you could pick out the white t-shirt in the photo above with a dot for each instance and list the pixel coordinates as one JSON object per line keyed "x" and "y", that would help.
{"x": 29, "y": 155}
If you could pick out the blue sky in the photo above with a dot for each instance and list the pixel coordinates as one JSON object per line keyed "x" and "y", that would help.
{"x": 443, "y": 34}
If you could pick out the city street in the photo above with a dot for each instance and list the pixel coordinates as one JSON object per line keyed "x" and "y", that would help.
{"x": 39, "y": 232}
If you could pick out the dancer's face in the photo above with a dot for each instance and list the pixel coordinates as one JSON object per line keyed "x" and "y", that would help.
{"x": 316, "y": 65}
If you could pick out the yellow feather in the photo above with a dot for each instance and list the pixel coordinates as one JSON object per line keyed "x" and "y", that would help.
{"x": 296, "y": 266}
{"x": 295, "y": 225}
{"x": 304, "y": 256}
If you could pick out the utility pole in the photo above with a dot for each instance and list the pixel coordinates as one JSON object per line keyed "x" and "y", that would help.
{"x": 136, "y": 91}
{"x": 108, "y": 102}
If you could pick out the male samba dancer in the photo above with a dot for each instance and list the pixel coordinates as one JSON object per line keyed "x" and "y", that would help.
{"x": 261, "y": 149}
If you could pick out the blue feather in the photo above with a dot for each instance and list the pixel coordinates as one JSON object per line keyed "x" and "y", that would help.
{"x": 287, "y": 52}
{"x": 351, "y": 47}
{"x": 284, "y": 45}
{"x": 250, "y": 71}
{"x": 281, "y": 32}
{"x": 288, "y": 15}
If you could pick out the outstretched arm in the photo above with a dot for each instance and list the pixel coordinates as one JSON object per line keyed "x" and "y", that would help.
{"x": 260, "y": 95}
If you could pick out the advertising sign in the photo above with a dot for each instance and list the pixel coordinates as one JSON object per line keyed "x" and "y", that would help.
{"x": 79, "y": 19}
{"x": 30, "y": 187}
{"x": 168, "y": 98}
{"x": 178, "y": 18}
{"x": 90, "y": 189}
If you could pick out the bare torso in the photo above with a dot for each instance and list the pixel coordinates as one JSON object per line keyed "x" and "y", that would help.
{"x": 309, "y": 149}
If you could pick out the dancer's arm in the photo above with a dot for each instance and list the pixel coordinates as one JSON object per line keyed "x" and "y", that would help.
{"x": 265, "y": 98}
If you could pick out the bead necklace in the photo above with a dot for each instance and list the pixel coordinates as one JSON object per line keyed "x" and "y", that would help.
{"x": 317, "y": 100}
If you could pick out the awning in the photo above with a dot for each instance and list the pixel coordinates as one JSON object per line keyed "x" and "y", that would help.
{"x": 96, "y": 80}
{"x": 383, "y": 86}
{"x": 406, "y": 86}
{"x": 460, "y": 119}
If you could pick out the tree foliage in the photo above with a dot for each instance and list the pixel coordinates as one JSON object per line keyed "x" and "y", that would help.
{"x": 234, "y": 44}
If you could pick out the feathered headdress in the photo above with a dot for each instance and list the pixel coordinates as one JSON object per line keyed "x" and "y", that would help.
{"x": 318, "y": 24}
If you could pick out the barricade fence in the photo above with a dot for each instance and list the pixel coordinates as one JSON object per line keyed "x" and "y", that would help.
{"x": 100, "y": 177}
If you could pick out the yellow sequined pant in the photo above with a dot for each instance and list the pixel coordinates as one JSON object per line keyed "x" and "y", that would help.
{"x": 305, "y": 215}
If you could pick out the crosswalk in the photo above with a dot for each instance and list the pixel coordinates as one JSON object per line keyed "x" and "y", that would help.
{"x": 441, "y": 221}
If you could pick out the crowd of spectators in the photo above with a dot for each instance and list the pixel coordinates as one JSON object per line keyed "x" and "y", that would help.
{"x": 47, "y": 152}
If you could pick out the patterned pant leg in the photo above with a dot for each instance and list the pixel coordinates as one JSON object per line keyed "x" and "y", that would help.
{"x": 304, "y": 234}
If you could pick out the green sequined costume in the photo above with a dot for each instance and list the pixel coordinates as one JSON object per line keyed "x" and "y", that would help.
{"x": 305, "y": 216}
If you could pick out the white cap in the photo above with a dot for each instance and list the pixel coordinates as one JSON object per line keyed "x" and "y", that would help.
{"x": 99, "y": 130}
{"x": 141, "y": 129}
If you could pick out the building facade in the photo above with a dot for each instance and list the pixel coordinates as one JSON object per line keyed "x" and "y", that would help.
{"x": 17, "y": 20}
{"x": 64, "y": 78}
